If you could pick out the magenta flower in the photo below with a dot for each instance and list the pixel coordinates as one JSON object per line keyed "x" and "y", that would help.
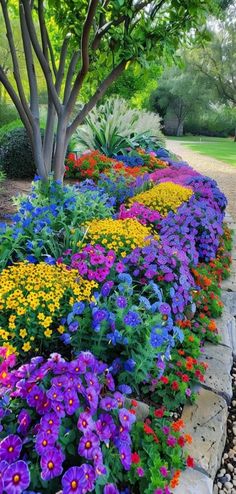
{"x": 51, "y": 463}
{"x": 73, "y": 481}
{"x": 86, "y": 445}
{"x": 164, "y": 471}
{"x": 126, "y": 418}
{"x": 140, "y": 471}
{"x": 166, "y": 429}
{"x": 171, "y": 441}
{"x": 16, "y": 478}
{"x": 85, "y": 422}
{"x": 10, "y": 448}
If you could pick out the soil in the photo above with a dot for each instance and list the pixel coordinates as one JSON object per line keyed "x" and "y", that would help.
{"x": 8, "y": 190}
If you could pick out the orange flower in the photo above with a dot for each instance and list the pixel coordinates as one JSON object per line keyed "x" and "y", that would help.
{"x": 176, "y": 426}
{"x": 212, "y": 325}
{"x": 188, "y": 438}
{"x": 191, "y": 338}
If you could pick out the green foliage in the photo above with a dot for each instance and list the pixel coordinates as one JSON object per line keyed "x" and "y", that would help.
{"x": 8, "y": 113}
{"x": 219, "y": 121}
{"x": 114, "y": 126}
{"x": 16, "y": 157}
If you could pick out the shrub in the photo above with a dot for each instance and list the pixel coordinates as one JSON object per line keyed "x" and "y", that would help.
{"x": 16, "y": 157}
{"x": 164, "y": 197}
{"x": 114, "y": 126}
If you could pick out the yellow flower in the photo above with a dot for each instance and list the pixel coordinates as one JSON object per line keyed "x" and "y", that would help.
{"x": 163, "y": 197}
{"x": 26, "y": 347}
{"x": 61, "y": 329}
{"x": 48, "y": 333}
{"x": 23, "y": 333}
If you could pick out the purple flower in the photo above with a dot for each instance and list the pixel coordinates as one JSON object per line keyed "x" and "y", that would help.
{"x": 16, "y": 478}
{"x": 126, "y": 418}
{"x": 124, "y": 388}
{"x": 166, "y": 430}
{"x": 86, "y": 445}
{"x": 89, "y": 477}
{"x": 188, "y": 392}
{"x": 110, "y": 489}
{"x": 10, "y": 448}
{"x": 92, "y": 397}
{"x": 125, "y": 456}
{"x": 132, "y": 319}
{"x": 105, "y": 427}
{"x": 121, "y": 302}
{"x": 51, "y": 421}
{"x": 106, "y": 288}
{"x": 85, "y": 422}
{"x": 35, "y": 396}
{"x": 73, "y": 481}
{"x": 72, "y": 402}
{"x": 55, "y": 394}
{"x": 108, "y": 403}
{"x": 24, "y": 421}
{"x": 51, "y": 463}
{"x": 43, "y": 442}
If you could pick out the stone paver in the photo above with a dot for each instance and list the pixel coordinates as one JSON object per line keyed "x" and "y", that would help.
{"x": 194, "y": 482}
{"x": 218, "y": 378}
{"x": 224, "y": 174}
{"x": 226, "y": 326}
{"x": 206, "y": 421}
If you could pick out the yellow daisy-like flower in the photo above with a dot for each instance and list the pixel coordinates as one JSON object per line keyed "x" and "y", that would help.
{"x": 23, "y": 333}
{"x": 124, "y": 235}
{"x": 48, "y": 333}
{"x": 163, "y": 197}
{"x": 26, "y": 347}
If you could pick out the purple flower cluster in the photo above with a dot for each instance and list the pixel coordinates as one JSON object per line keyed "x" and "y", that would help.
{"x": 140, "y": 212}
{"x": 62, "y": 399}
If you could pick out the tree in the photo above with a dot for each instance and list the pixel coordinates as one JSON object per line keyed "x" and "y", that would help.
{"x": 178, "y": 94}
{"x": 217, "y": 61}
{"x": 82, "y": 46}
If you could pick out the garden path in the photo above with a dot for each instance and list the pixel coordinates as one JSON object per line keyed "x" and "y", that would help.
{"x": 224, "y": 174}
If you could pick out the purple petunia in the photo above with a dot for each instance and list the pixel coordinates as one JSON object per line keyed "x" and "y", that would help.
{"x": 51, "y": 463}
{"x": 85, "y": 422}
{"x": 73, "y": 481}
{"x": 86, "y": 445}
{"x": 110, "y": 489}
{"x": 126, "y": 418}
{"x": 10, "y": 448}
{"x": 16, "y": 478}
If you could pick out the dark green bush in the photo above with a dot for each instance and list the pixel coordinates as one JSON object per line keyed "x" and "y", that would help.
{"x": 8, "y": 113}
{"x": 16, "y": 156}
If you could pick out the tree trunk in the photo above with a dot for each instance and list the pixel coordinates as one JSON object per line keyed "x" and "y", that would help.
{"x": 60, "y": 149}
{"x": 48, "y": 141}
{"x": 235, "y": 134}
{"x": 37, "y": 147}
{"x": 179, "y": 131}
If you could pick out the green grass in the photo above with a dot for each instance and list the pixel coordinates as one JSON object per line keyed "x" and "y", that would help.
{"x": 221, "y": 148}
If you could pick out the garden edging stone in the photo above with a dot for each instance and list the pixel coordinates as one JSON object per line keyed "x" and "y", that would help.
{"x": 218, "y": 378}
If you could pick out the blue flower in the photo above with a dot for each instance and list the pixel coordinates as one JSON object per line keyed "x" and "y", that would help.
{"x": 132, "y": 319}
{"x": 129, "y": 365}
{"x": 121, "y": 302}
{"x": 124, "y": 388}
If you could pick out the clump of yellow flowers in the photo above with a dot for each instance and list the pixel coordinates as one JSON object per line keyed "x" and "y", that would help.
{"x": 33, "y": 299}
{"x": 119, "y": 235}
{"x": 164, "y": 197}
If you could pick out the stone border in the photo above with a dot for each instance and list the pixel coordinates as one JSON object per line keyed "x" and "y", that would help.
{"x": 206, "y": 419}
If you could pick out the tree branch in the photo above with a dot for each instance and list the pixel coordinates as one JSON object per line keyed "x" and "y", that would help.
{"x": 84, "y": 54}
{"x": 17, "y": 102}
{"x": 70, "y": 74}
{"x": 16, "y": 69}
{"x": 61, "y": 68}
{"x": 34, "y": 103}
{"x": 46, "y": 43}
{"x": 114, "y": 74}
{"x": 41, "y": 58}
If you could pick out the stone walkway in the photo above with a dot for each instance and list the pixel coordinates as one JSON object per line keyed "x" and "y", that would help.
{"x": 224, "y": 174}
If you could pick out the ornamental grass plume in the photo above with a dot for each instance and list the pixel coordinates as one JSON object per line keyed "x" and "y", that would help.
{"x": 119, "y": 235}
{"x": 164, "y": 197}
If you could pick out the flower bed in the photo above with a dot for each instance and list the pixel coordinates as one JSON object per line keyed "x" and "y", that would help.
{"x": 109, "y": 288}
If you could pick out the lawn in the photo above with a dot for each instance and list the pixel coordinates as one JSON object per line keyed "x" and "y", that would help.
{"x": 221, "y": 148}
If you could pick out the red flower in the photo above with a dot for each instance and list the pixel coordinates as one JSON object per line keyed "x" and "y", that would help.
{"x": 134, "y": 403}
{"x": 159, "y": 412}
{"x": 190, "y": 462}
{"x": 148, "y": 430}
{"x": 181, "y": 441}
{"x": 164, "y": 379}
{"x": 185, "y": 378}
{"x": 135, "y": 458}
{"x": 175, "y": 386}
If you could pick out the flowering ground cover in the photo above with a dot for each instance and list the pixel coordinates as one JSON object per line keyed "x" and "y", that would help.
{"x": 109, "y": 289}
